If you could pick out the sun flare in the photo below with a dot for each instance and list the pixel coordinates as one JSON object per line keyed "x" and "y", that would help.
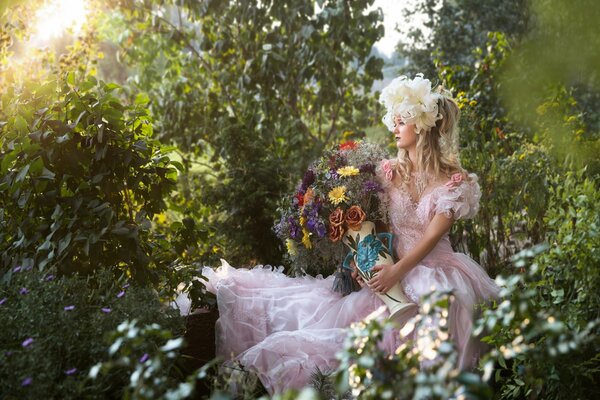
{"x": 57, "y": 17}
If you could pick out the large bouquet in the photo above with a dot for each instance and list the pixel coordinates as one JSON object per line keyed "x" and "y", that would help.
{"x": 337, "y": 201}
{"x": 338, "y": 192}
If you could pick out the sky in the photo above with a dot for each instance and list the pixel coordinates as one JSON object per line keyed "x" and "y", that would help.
{"x": 392, "y": 14}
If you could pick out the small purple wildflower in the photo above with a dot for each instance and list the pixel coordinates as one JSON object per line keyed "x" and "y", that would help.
{"x": 17, "y": 268}
{"x": 27, "y": 342}
{"x": 27, "y": 381}
{"x": 71, "y": 371}
{"x": 371, "y": 186}
{"x": 69, "y": 308}
{"x": 23, "y": 291}
{"x": 50, "y": 277}
{"x": 144, "y": 358}
{"x": 29, "y": 268}
{"x": 3, "y": 300}
{"x": 125, "y": 286}
{"x": 121, "y": 294}
{"x": 106, "y": 310}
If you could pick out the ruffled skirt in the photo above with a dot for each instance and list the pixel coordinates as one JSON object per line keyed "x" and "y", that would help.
{"x": 283, "y": 328}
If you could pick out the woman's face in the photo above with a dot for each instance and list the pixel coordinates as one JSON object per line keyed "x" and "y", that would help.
{"x": 405, "y": 134}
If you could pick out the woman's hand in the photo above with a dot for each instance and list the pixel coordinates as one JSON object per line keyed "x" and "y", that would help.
{"x": 386, "y": 277}
{"x": 356, "y": 276}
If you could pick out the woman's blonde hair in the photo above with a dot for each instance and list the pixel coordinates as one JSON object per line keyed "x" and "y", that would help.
{"x": 437, "y": 148}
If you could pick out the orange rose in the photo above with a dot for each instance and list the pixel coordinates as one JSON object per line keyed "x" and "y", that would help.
{"x": 355, "y": 217}
{"x": 336, "y": 218}
{"x": 335, "y": 232}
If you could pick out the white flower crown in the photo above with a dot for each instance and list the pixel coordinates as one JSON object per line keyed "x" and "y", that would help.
{"x": 413, "y": 101}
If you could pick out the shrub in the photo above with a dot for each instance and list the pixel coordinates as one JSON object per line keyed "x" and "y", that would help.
{"x": 545, "y": 332}
{"x": 80, "y": 179}
{"x": 54, "y": 329}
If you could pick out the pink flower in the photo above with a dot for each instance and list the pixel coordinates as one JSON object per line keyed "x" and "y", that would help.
{"x": 387, "y": 168}
{"x": 455, "y": 180}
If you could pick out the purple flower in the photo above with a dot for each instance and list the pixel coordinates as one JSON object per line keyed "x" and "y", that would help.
{"x": 370, "y": 168}
{"x": 23, "y": 291}
{"x": 27, "y": 381}
{"x": 310, "y": 224}
{"x": 106, "y": 310}
{"x": 144, "y": 358}
{"x": 309, "y": 179}
{"x": 294, "y": 228}
{"x": 50, "y": 277}
{"x": 371, "y": 186}
{"x": 28, "y": 268}
{"x": 125, "y": 286}
{"x": 333, "y": 174}
{"x": 27, "y": 342}
{"x": 320, "y": 229}
{"x": 71, "y": 371}
{"x": 69, "y": 308}
{"x": 3, "y": 300}
{"x": 17, "y": 268}
{"x": 121, "y": 294}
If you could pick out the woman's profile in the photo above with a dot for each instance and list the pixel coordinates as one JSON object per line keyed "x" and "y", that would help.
{"x": 283, "y": 328}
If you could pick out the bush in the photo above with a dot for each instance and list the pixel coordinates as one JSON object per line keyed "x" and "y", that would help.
{"x": 545, "y": 332}
{"x": 80, "y": 179}
{"x": 423, "y": 368}
{"x": 54, "y": 329}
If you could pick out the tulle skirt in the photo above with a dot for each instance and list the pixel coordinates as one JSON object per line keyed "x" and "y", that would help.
{"x": 283, "y": 328}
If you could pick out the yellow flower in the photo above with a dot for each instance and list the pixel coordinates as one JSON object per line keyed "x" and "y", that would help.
{"x": 473, "y": 103}
{"x": 306, "y": 238}
{"x": 302, "y": 221}
{"x": 348, "y": 171}
{"x": 338, "y": 195}
{"x": 291, "y": 247}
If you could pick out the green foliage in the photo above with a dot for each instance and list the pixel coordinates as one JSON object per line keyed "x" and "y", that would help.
{"x": 423, "y": 368}
{"x": 545, "y": 332}
{"x": 267, "y": 86}
{"x": 146, "y": 354}
{"x": 69, "y": 320}
{"x": 81, "y": 179}
{"x": 452, "y": 30}
{"x": 498, "y": 150}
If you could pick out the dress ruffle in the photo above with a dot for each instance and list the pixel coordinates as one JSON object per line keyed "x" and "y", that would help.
{"x": 283, "y": 328}
{"x": 459, "y": 201}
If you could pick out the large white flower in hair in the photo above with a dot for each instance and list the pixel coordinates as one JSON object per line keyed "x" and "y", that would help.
{"x": 411, "y": 100}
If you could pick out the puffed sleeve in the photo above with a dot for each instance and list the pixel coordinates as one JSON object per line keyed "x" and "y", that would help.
{"x": 459, "y": 197}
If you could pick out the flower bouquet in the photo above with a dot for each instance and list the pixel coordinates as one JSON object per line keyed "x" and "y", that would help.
{"x": 338, "y": 201}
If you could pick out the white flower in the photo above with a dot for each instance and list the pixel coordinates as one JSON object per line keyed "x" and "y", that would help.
{"x": 412, "y": 100}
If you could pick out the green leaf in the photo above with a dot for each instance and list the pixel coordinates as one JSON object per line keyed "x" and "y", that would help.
{"x": 142, "y": 99}
{"x": 22, "y": 173}
{"x": 21, "y": 124}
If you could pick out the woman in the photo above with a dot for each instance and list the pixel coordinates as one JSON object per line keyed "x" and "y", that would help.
{"x": 283, "y": 328}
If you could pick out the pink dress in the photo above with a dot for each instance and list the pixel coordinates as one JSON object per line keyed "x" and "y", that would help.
{"x": 282, "y": 328}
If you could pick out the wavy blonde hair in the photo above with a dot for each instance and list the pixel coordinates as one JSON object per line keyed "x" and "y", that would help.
{"x": 437, "y": 148}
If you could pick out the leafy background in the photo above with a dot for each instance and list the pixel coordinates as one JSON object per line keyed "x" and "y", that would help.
{"x": 164, "y": 134}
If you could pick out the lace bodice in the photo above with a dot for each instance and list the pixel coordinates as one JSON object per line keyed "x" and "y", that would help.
{"x": 458, "y": 198}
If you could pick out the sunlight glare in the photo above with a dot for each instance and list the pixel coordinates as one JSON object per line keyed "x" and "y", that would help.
{"x": 58, "y": 16}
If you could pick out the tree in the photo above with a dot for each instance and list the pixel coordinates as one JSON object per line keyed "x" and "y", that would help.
{"x": 253, "y": 92}
{"x": 453, "y": 29}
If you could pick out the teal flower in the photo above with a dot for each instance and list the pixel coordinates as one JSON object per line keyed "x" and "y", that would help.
{"x": 368, "y": 252}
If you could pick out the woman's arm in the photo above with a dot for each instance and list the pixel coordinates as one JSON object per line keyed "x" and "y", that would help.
{"x": 389, "y": 275}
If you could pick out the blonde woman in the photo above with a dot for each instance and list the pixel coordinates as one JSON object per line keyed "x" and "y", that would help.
{"x": 282, "y": 328}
